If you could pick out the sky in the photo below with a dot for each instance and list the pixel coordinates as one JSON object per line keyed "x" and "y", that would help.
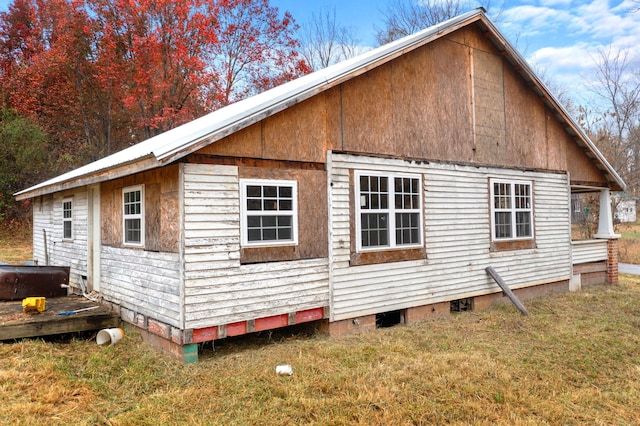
{"x": 559, "y": 38}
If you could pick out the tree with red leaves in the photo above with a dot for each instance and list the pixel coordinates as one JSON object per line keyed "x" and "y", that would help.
{"x": 100, "y": 75}
{"x": 256, "y": 51}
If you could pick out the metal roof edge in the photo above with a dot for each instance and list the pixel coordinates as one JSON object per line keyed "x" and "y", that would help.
{"x": 522, "y": 63}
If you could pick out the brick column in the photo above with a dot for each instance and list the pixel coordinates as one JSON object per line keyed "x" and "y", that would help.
{"x": 612, "y": 261}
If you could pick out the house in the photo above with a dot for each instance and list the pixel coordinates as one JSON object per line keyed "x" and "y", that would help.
{"x": 379, "y": 188}
{"x": 625, "y": 208}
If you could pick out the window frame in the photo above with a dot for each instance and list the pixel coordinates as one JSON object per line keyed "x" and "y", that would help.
{"x": 391, "y": 211}
{"x": 513, "y": 210}
{"x": 140, "y": 216}
{"x": 68, "y": 220}
{"x": 245, "y": 212}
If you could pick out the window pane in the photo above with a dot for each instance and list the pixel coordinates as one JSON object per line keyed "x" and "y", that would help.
{"x": 132, "y": 230}
{"x": 523, "y": 224}
{"x": 364, "y": 183}
{"x": 66, "y": 209}
{"x": 503, "y": 224}
{"x": 286, "y": 205}
{"x": 254, "y": 235}
{"x": 270, "y": 205}
{"x": 254, "y": 191}
{"x": 502, "y": 195}
{"x": 269, "y": 221}
{"x": 270, "y": 191}
{"x": 269, "y": 234}
{"x": 67, "y": 229}
{"x": 375, "y": 229}
{"x": 284, "y": 234}
{"x": 285, "y": 192}
{"x": 254, "y": 205}
{"x": 407, "y": 228}
{"x": 253, "y": 221}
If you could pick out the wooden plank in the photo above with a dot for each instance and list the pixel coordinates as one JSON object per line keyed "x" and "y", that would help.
{"x": 505, "y": 288}
{"x": 14, "y": 324}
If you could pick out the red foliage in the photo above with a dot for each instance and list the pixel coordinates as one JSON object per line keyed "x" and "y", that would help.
{"x": 99, "y": 75}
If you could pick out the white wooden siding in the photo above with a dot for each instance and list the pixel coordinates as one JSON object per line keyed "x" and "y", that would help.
{"x": 47, "y": 216}
{"x": 142, "y": 281}
{"x": 589, "y": 251}
{"x": 457, "y": 236}
{"x": 218, "y": 289}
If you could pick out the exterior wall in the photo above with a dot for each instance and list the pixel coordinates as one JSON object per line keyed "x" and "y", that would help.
{"x": 47, "y": 216}
{"x": 145, "y": 283}
{"x": 219, "y": 289}
{"x": 458, "y": 88}
{"x": 625, "y": 211}
{"x": 161, "y": 208}
{"x": 457, "y": 236}
{"x": 586, "y": 251}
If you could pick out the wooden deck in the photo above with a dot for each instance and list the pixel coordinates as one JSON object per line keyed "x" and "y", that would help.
{"x": 14, "y": 324}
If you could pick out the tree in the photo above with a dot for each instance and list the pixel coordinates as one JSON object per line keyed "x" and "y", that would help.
{"x": 325, "y": 43}
{"x": 613, "y": 121}
{"x": 405, "y": 17}
{"x": 23, "y": 157}
{"x": 100, "y": 75}
{"x": 256, "y": 50}
{"x": 43, "y": 49}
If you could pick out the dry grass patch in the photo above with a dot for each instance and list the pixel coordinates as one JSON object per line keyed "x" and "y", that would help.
{"x": 629, "y": 243}
{"x": 575, "y": 360}
{"x": 15, "y": 242}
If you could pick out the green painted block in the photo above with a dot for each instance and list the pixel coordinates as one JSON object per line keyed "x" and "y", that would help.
{"x": 190, "y": 353}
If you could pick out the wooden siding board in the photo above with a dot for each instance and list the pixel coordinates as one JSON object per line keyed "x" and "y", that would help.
{"x": 589, "y": 251}
{"x": 144, "y": 282}
{"x": 457, "y": 238}
{"x": 218, "y": 289}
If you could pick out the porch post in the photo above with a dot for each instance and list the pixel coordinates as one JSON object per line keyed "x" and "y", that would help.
{"x": 605, "y": 231}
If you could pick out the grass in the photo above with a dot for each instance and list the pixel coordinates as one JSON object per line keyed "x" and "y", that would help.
{"x": 574, "y": 360}
{"x": 15, "y": 242}
{"x": 629, "y": 244}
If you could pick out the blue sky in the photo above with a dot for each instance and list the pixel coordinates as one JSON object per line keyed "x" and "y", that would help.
{"x": 559, "y": 38}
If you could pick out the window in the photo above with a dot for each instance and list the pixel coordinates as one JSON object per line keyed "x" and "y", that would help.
{"x": 133, "y": 215}
{"x": 388, "y": 211}
{"x": 269, "y": 212}
{"x": 511, "y": 210}
{"x": 67, "y": 219}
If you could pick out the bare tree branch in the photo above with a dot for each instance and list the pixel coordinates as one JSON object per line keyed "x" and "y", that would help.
{"x": 324, "y": 42}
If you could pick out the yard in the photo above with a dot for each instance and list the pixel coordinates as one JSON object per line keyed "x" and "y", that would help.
{"x": 574, "y": 360}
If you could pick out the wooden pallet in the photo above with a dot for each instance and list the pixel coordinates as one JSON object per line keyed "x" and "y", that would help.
{"x": 14, "y": 324}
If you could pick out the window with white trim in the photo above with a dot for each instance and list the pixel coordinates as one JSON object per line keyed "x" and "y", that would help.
{"x": 511, "y": 210}
{"x": 67, "y": 219}
{"x": 269, "y": 212}
{"x": 388, "y": 210}
{"x": 133, "y": 215}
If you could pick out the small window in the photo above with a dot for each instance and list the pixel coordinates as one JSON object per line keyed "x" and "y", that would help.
{"x": 67, "y": 219}
{"x": 388, "y": 211}
{"x": 269, "y": 212}
{"x": 133, "y": 215}
{"x": 511, "y": 210}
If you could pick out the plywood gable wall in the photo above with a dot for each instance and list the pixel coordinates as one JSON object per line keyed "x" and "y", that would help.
{"x": 454, "y": 99}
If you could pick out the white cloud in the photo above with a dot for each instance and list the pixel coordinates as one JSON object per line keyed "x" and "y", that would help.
{"x": 566, "y": 36}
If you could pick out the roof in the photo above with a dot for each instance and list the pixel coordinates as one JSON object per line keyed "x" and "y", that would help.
{"x": 188, "y": 138}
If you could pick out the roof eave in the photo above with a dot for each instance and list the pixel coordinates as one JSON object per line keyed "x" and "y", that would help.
{"x": 616, "y": 183}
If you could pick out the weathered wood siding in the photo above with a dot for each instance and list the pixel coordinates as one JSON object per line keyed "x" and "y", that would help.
{"x": 585, "y": 251}
{"x": 144, "y": 282}
{"x": 457, "y": 236}
{"x": 454, "y": 99}
{"x": 218, "y": 288}
{"x": 47, "y": 216}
